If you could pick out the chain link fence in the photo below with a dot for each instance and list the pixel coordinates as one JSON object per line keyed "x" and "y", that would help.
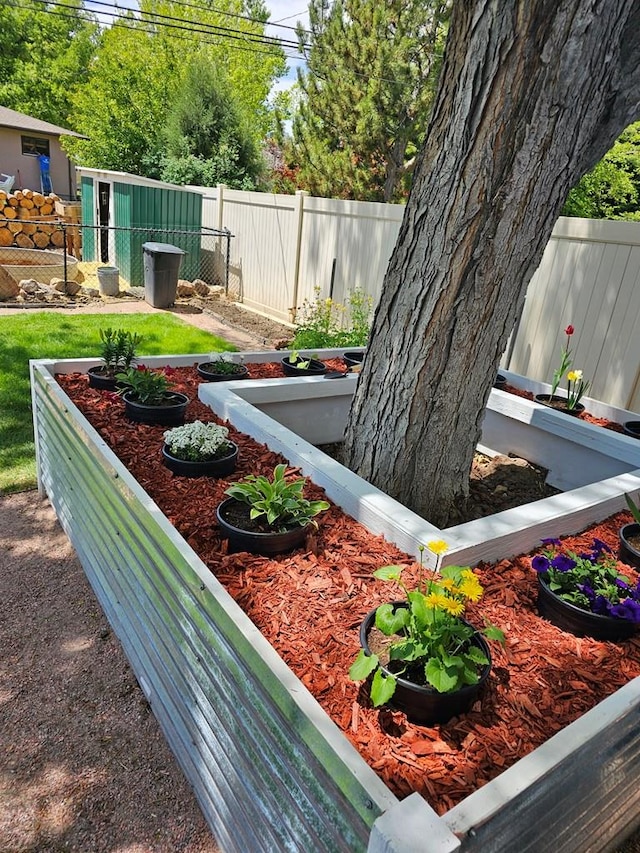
{"x": 35, "y": 251}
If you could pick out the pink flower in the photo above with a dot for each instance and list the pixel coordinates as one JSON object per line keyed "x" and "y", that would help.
{"x": 141, "y": 367}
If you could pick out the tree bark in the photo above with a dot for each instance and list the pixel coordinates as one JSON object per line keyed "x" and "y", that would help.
{"x": 532, "y": 93}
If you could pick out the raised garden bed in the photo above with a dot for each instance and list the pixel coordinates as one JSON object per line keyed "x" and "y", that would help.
{"x": 269, "y": 768}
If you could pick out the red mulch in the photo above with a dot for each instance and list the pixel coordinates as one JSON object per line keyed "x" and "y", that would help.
{"x": 584, "y": 416}
{"x": 309, "y": 605}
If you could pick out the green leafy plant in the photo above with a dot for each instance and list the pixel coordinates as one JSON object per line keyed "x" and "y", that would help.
{"x": 198, "y": 442}
{"x": 576, "y": 385}
{"x": 223, "y": 367}
{"x": 326, "y": 323}
{"x": 430, "y": 642}
{"x": 118, "y": 349}
{"x": 590, "y": 580}
{"x": 149, "y": 387}
{"x": 298, "y": 361}
{"x": 634, "y": 509}
{"x": 280, "y": 501}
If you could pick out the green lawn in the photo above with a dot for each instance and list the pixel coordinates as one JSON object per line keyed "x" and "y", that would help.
{"x": 41, "y": 335}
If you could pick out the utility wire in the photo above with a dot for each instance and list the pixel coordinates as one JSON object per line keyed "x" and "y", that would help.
{"x": 139, "y": 28}
{"x": 196, "y": 27}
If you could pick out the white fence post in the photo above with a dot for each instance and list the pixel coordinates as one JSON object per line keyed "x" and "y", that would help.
{"x": 299, "y": 210}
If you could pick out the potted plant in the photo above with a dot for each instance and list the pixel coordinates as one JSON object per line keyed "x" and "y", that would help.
{"x": 148, "y": 398}
{"x": 576, "y": 385}
{"x": 422, "y": 656}
{"x": 353, "y": 359}
{"x": 222, "y": 370}
{"x": 265, "y": 516}
{"x": 629, "y": 535}
{"x": 298, "y": 365}
{"x": 585, "y": 593}
{"x": 199, "y": 450}
{"x": 118, "y": 353}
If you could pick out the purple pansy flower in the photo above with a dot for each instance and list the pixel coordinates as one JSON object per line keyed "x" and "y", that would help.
{"x": 601, "y": 605}
{"x": 627, "y": 609}
{"x": 562, "y": 563}
{"x": 540, "y": 563}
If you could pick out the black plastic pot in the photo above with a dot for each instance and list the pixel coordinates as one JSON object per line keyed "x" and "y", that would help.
{"x": 501, "y": 382}
{"x": 315, "y": 368}
{"x": 631, "y": 428}
{"x": 101, "y": 380}
{"x": 580, "y": 622}
{"x": 209, "y": 371}
{"x": 257, "y": 543}
{"x": 208, "y": 468}
{"x": 626, "y": 551}
{"x": 170, "y": 413}
{"x": 555, "y": 401}
{"x": 423, "y": 705}
{"x": 352, "y": 359}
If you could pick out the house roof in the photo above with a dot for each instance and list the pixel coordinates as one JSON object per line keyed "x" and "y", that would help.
{"x": 20, "y": 121}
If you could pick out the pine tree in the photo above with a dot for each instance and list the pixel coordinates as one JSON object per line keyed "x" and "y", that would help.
{"x": 367, "y": 94}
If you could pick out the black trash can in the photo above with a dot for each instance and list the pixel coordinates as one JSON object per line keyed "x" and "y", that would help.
{"x": 161, "y": 268}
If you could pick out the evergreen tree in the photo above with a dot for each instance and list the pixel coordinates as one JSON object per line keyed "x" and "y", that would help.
{"x": 367, "y": 94}
{"x": 207, "y": 140}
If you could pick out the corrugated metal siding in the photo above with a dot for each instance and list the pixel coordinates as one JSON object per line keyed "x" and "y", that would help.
{"x": 179, "y": 210}
{"x": 88, "y": 216}
{"x": 265, "y": 777}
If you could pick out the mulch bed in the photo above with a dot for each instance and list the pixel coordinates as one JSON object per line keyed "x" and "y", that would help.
{"x": 309, "y": 605}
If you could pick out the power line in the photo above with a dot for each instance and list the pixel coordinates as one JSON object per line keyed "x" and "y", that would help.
{"x": 196, "y": 27}
{"x": 140, "y": 28}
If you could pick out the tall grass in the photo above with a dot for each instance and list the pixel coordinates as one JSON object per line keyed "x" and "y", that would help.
{"x": 42, "y": 335}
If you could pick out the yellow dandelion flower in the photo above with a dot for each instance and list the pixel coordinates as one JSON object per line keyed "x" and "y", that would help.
{"x": 454, "y": 607}
{"x": 447, "y": 583}
{"x": 437, "y": 600}
{"x": 438, "y": 546}
{"x": 471, "y": 589}
{"x": 467, "y": 573}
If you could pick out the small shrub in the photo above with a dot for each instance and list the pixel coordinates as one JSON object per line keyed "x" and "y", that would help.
{"x": 326, "y": 323}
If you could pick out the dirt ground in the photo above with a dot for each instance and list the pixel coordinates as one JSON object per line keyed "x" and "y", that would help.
{"x": 83, "y": 764}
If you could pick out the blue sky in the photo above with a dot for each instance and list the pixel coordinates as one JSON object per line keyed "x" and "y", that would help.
{"x": 289, "y": 13}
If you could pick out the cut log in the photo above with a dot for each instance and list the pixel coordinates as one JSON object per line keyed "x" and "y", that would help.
{"x": 57, "y": 238}
{"x": 26, "y": 202}
{"x": 3, "y": 198}
{"x": 45, "y": 228}
{"x": 41, "y": 240}
{"x": 12, "y": 201}
{"x": 38, "y": 199}
{"x": 46, "y": 208}
{"x": 6, "y": 237}
{"x": 29, "y": 228}
{"x": 18, "y": 194}
{"x": 15, "y": 226}
{"x": 27, "y": 193}
{"x": 24, "y": 242}
{"x": 9, "y": 213}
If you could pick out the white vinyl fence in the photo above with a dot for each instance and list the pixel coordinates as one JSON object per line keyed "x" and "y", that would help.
{"x": 284, "y": 246}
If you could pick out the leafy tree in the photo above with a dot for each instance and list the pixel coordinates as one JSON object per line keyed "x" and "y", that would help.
{"x": 45, "y": 55}
{"x": 516, "y": 122}
{"x": 207, "y": 141}
{"x": 367, "y": 94}
{"x": 142, "y": 65}
{"x": 611, "y": 190}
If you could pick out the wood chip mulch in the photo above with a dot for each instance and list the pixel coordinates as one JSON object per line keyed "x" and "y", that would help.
{"x": 309, "y": 605}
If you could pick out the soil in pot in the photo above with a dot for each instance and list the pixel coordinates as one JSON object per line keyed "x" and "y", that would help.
{"x": 629, "y": 548}
{"x": 222, "y": 371}
{"x": 313, "y": 368}
{"x": 101, "y": 379}
{"x": 423, "y": 705}
{"x": 555, "y": 401}
{"x": 254, "y": 535}
{"x": 170, "y": 413}
{"x": 631, "y": 428}
{"x": 309, "y": 605}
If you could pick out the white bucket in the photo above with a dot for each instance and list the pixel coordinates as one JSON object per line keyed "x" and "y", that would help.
{"x": 108, "y": 281}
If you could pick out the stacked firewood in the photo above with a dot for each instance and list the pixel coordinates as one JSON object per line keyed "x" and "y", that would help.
{"x": 28, "y": 220}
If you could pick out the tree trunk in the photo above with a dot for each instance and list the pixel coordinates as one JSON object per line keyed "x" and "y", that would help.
{"x": 532, "y": 93}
